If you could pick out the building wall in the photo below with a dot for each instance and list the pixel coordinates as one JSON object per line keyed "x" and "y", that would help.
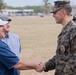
{"x": 10, "y": 12}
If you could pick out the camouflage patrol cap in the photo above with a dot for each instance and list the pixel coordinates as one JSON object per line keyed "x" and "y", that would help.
{"x": 61, "y": 4}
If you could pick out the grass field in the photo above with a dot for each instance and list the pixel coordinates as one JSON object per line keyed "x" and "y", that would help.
{"x": 38, "y": 38}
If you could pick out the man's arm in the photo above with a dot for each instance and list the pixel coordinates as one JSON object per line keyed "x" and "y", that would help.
{"x": 21, "y": 65}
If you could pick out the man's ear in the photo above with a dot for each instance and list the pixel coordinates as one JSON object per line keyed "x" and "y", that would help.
{"x": 63, "y": 12}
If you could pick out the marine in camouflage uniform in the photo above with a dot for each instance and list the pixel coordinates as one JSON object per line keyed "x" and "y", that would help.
{"x": 64, "y": 62}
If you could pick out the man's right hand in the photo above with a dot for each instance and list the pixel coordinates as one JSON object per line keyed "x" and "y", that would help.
{"x": 40, "y": 67}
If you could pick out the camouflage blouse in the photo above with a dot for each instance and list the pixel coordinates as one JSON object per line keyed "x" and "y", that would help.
{"x": 64, "y": 62}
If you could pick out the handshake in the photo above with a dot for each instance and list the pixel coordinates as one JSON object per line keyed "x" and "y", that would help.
{"x": 40, "y": 67}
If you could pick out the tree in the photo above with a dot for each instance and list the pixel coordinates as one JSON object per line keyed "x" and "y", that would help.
{"x": 45, "y": 1}
{"x": 47, "y": 6}
{"x": 2, "y": 5}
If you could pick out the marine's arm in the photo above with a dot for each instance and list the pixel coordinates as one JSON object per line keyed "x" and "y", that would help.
{"x": 50, "y": 65}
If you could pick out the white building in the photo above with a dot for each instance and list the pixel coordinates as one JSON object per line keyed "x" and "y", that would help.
{"x": 15, "y": 12}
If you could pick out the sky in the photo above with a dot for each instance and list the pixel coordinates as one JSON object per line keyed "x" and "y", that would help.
{"x": 21, "y": 3}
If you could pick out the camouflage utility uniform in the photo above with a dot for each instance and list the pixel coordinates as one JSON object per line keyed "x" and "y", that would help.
{"x": 64, "y": 62}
